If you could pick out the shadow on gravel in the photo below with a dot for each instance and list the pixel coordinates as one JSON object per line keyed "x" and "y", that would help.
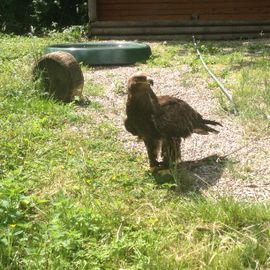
{"x": 193, "y": 176}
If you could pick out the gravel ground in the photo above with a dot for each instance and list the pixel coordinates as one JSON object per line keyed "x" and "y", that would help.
{"x": 245, "y": 175}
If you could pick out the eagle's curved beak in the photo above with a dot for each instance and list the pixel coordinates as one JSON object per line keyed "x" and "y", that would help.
{"x": 150, "y": 81}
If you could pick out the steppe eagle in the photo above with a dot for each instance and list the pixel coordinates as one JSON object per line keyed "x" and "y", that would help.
{"x": 161, "y": 121}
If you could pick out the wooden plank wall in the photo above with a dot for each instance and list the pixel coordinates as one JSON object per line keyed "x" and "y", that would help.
{"x": 182, "y": 10}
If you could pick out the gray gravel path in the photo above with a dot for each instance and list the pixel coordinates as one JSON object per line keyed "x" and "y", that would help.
{"x": 247, "y": 179}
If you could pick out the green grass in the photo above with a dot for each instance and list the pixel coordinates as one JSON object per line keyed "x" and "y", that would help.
{"x": 93, "y": 89}
{"x": 243, "y": 67}
{"x": 71, "y": 197}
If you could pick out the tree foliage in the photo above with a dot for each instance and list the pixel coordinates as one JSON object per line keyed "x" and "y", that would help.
{"x": 17, "y": 16}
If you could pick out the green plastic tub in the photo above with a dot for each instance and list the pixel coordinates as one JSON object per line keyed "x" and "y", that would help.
{"x": 105, "y": 53}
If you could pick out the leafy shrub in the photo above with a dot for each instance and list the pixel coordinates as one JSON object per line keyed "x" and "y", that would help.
{"x": 19, "y": 17}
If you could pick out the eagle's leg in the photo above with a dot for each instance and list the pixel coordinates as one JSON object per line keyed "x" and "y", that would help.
{"x": 171, "y": 151}
{"x": 152, "y": 147}
{"x": 177, "y": 149}
{"x": 165, "y": 153}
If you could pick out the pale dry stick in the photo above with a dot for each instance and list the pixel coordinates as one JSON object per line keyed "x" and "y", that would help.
{"x": 119, "y": 231}
{"x": 222, "y": 87}
{"x": 212, "y": 258}
{"x": 178, "y": 258}
{"x": 242, "y": 234}
{"x": 169, "y": 218}
{"x": 213, "y": 244}
{"x": 42, "y": 212}
{"x": 146, "y": 204}
{"x": 14, "y": 259}
{"x": 238, "y": 232}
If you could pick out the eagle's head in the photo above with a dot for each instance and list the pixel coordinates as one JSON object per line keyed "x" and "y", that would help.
{"x": 138, "y": 81}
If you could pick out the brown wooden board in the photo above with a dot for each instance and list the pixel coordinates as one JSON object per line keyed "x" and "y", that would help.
{"x": 183, "y": 10}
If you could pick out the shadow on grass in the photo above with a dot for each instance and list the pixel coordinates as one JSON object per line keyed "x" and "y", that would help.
{"x": 193, "y": 176}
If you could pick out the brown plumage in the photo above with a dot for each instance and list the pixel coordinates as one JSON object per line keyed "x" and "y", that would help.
{"x": 161, "y": 121}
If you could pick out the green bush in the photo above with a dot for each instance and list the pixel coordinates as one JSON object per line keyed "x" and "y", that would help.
{"x": 36, "y": 16}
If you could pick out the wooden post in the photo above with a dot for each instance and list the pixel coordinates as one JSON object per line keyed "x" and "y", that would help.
{"x": 92, "y": 10}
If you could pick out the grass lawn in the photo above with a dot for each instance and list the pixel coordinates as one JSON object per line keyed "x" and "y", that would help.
{"x": 74, "y": 198}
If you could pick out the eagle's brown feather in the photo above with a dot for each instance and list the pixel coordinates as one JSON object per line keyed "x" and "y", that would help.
{"x": 161, "y": 120}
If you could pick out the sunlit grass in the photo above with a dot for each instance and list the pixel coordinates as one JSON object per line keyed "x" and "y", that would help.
{"x": 72, "y": 197}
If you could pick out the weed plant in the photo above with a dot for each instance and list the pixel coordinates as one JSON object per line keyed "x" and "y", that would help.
{"x": 71, "y": 197}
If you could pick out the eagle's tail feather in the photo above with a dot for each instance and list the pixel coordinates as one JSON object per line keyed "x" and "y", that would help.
{"x": 204, "y": 129}
{"x": 211, "y": 122}
{"x": 209, "y": 129}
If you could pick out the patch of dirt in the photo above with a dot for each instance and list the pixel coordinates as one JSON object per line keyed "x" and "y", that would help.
{"x": 244, "y": 174}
